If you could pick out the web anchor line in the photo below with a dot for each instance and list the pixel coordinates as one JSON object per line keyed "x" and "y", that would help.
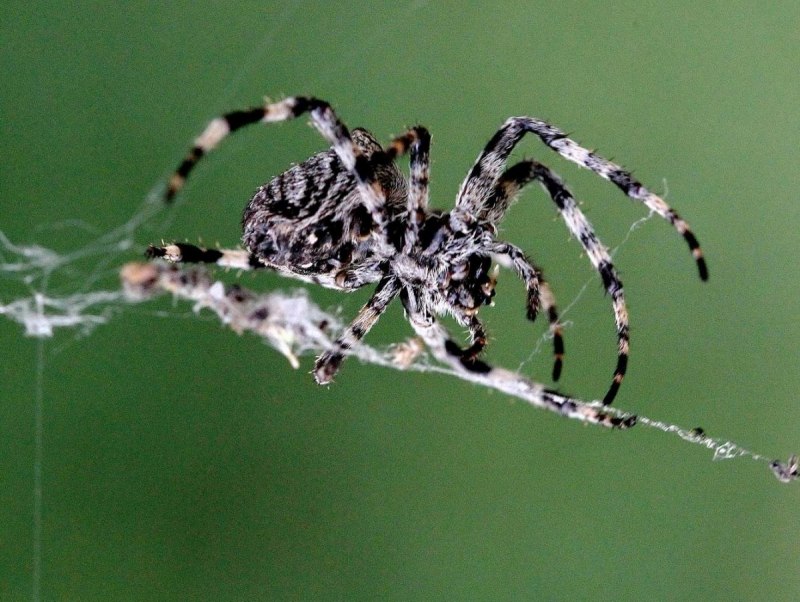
{"x": 294, "y": 325}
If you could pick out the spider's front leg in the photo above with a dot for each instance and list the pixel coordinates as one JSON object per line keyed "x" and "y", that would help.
{"x": 478, "y": 337}
{"x": 539, "y": 294}
{"x": 447, "y": 351}
{"x": 523, "y": 173}
{"x": 327, "y": 364}
{"x": 477, "y": 333}
{"x": 478, "y": 186}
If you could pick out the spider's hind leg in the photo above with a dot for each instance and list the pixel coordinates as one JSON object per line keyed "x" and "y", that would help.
{"x": 180, "y": 252}
{"x": 324, "y": 120}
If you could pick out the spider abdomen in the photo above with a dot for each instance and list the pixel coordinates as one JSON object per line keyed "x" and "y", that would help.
{"x": 310, "y": 221}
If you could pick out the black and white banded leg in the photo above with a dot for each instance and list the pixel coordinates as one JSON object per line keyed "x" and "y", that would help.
{"x": 523, "y": 173}
{"x": 417, "y": 143}
{"x": 324, "y": 120}
{"x": 487, "y": 168}
{"x": 445, "y": 350}
{"x": 539, "y": 295}
{"x": 327, "y": 364}
{"x": 478, "y": 339}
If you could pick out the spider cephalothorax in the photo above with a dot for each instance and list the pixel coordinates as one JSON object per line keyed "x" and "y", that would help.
{"x": 347, "y": 217}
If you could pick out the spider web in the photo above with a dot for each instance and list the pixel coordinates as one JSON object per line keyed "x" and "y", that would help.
{"x": 77, "y": 303}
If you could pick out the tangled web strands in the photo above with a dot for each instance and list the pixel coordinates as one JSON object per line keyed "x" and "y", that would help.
{"x": 290, "y": 322}
{"x": 294, "y": 325}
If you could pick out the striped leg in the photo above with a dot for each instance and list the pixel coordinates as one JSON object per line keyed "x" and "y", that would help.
{"x": 523, "y": 173}
{"x": 327, "y": 364}
{"x": 417, "y": 143}
{"x": 445, "y": 350}
{"x": 322, "y": 117}
{"x": 480, "y": 182}
{"x": 477, "y": 332}
{"x": 539, "y": 293}
{"x": 185, "y": 253}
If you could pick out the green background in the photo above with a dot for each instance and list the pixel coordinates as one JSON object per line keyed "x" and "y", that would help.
{"x": 180, "y": 461}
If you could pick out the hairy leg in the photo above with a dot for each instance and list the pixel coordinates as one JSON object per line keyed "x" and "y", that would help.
{"x": 327, "y": 364}
{"x": 324, "y": 120}
{"x": 528, "y": 171}
{"x": 479, "y": 185}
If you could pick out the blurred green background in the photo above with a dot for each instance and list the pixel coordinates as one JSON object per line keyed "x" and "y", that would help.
{"x": 180, "y": 461}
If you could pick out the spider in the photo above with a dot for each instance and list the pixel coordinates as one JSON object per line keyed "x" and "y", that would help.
{"x": 347, "y": 217}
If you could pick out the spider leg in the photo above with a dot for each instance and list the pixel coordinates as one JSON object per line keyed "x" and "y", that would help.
{"x": 539, "y": 293}
{"x": 525, "y": 172}
{"x": 447, "y": 351}
{"x": 324, "y": 120}
{"x": 480, "y": 182}
{"x": 478, "y": 338}
{"x": 186, "y": 253}
{"x": 417, "y": 143}
{"x": 327, "y": 364}
{"x": 477, "y": 333}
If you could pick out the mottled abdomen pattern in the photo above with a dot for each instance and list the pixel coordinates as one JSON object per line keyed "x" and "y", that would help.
{"x": 310, "y": 222}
